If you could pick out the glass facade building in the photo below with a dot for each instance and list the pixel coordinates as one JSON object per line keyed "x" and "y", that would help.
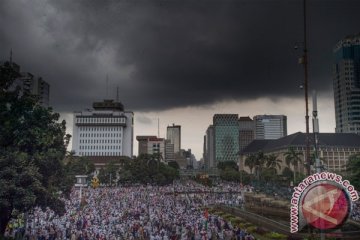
{"x": 270, "y": 126}
{"x": 226, "y": 136}
{"x": 346, "y": 83}
{"x": 246, "y": 132}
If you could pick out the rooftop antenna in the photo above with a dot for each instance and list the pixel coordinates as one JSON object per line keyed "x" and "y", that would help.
{"x": 107, "y": 85}
{"x": 158, "y": 127}
{"x": 316, "y": 133}
{"x": 117, "y": 94}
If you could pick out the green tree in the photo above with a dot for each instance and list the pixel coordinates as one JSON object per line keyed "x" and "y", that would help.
{"x": 229, "y": 174}
{"x": 250, "y": 162}
{"x": 292, "y": 157}
{"x": 269, "y": 175}
{"x": 272, "y": 162}
{"x": 32, "y": 148}
{"x": 108, "y": 174}
{"x": 353, "y": 169}
{"x": 75, "y": 165}
{"x": 288, "y": 174}
{"x": 174, "y": 164}
{"x": 260, "y": 160}
{"x": 227, "y": 164}
{"x": 169, "y": 174}
{"x": 147, "y": 169}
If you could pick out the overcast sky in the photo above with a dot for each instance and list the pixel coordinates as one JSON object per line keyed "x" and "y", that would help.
{"x": 179, "y": 60}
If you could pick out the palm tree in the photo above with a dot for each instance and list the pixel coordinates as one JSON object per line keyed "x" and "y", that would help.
{"x": 293, "y": 157}
{"x": 273, "y": 162}
{"x": 260, "y": 160}
{"x": 250, "y": 162}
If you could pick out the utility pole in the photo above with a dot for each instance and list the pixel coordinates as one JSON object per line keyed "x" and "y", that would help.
{"x": 316, "y": 134}
{"x": 158, "y": 127}
{"x": 316, "y": 154}
{"x": 306, "y": 86}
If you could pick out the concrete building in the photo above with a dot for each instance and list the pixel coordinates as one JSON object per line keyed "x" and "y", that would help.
{"x": 334, "y": 149}
{"x": 270, "y": 126}
{"x": 190, "y": 159}
{"x": 226, "y": 137}
{"x": 346, "y": 83}
{"x": 169, "y": 151}
{"x": 209, "y": 152}
{"x": 106, "y": 131}
{"x": 246, "y": 132}
{"x": 151, "y": 145}
{"x": 29, "y": 84}
{"x": 173, "y": 133}
{"x": 184, "y": 159}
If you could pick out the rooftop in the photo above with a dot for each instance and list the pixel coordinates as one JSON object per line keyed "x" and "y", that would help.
{"x": 299, "y": 139}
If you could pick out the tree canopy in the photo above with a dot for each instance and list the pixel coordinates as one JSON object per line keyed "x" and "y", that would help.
{"x": 147, "y": 169}
{"x": 228, "y": 164}
{"x": 32, "y": 148}
{"x": 353, "y": 167}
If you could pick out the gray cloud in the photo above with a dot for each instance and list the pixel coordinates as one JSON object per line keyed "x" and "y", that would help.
{"x": 144, "y": 119}
{"x": 165, "y": 54}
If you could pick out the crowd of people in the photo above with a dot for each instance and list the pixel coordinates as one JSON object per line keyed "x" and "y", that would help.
{"x": 137, "y": 212}
{"x": 355, "y": 212}
{"x": 141, "y": 212}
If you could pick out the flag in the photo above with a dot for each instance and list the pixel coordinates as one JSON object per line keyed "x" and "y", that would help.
{"x": 206, "y": 213}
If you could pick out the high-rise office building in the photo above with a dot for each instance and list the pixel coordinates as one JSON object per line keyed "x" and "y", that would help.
{"x": 173, "y": 133}
{"x": 105, "y": 131}
{"x": 346, "y": 83}
{"x": 29, "y": 84}
{"x": 270, "y": 126}
{"x": 209, "y": 152}
{"x": 246, "y": 132}
{"x": 226, "y": 136}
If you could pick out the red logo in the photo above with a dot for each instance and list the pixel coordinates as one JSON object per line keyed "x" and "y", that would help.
{"x": 325, "y": 206}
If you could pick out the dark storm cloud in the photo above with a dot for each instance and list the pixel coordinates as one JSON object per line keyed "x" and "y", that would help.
{"x": 173, "y": 53}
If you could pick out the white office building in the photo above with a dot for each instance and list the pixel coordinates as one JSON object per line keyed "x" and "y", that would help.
{"x": 107, "y": 130}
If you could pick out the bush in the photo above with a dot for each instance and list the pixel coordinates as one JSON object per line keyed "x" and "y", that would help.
{"x": 251, "y": 229}
{"x": 219, "y": 213}
{"x": 275, "y": 235}
{"x": 211, "y": 210}
{"x": 242, "y": 225}
{"x": 261, "y": 230}
{"x": 247, "y": 224}
{"x": 228, "y": 216}
{"x": 235, "y": 221}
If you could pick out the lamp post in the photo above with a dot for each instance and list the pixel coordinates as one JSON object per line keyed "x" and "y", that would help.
{"x": 80, "y": 183}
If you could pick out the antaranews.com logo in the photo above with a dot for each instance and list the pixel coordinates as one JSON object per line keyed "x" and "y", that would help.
{"x": 322, "y": 200}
